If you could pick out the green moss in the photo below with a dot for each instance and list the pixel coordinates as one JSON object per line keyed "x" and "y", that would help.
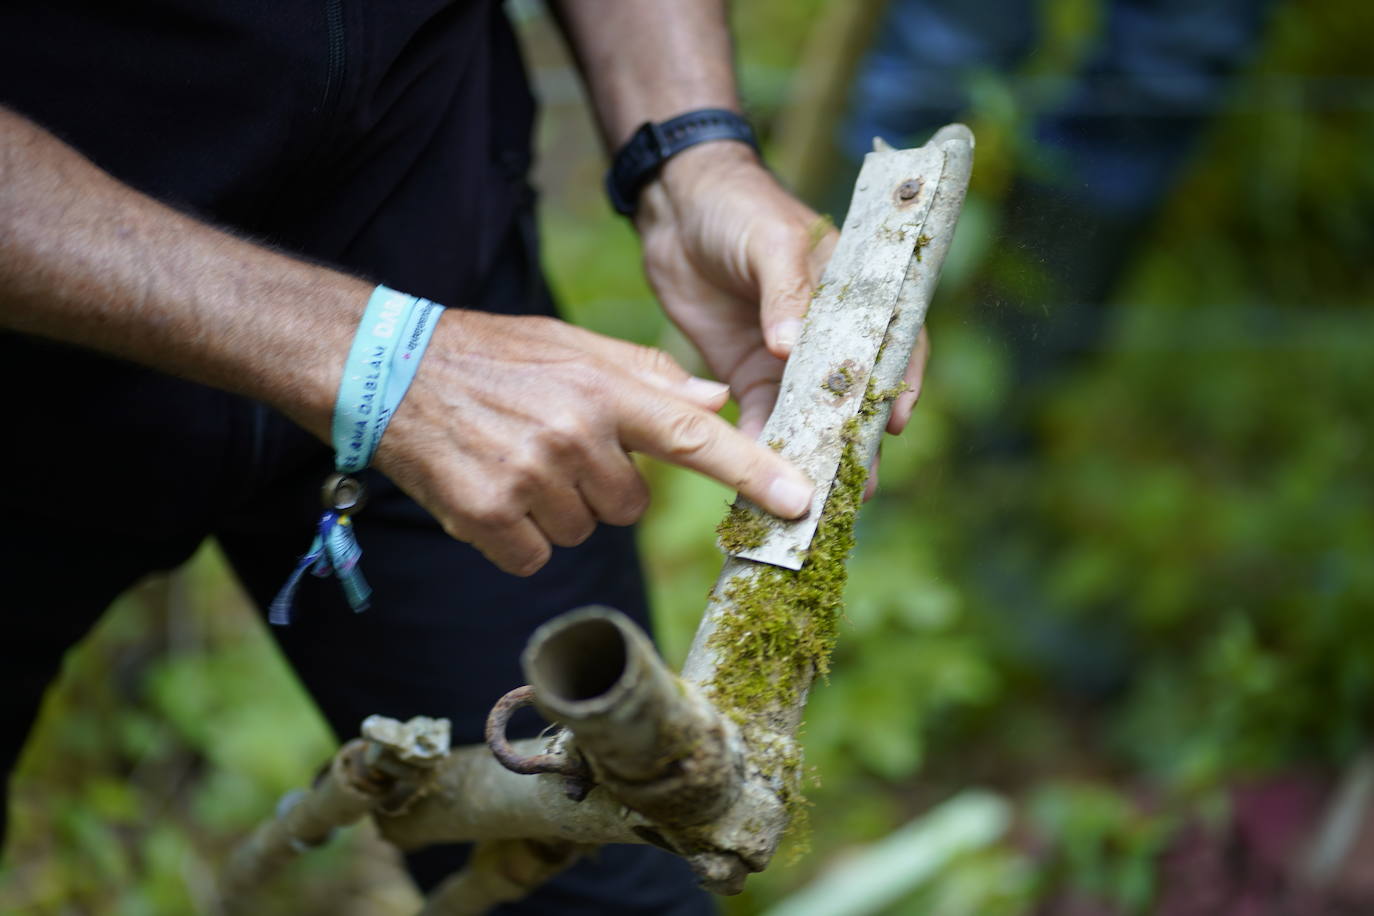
{"x": 922, "y": 241}
{"x": 783, "y": 624}
{"x": 782, "y": 631}
{"x": 874, "y": 399}
{"x": 777, "y": 444}
{"x": 785, "y": 770}
{"x": 798, "y": 827}
{"x": 741, "y": 529}
{"x": 783, "y": 628}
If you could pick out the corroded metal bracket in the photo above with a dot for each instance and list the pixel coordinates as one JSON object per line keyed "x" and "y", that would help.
{"x": 652, "y": 757}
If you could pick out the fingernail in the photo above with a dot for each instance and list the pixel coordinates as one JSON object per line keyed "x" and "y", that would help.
{"x": 791, "y": 497}
{"x": 787, "y": 333}
{"x": 703, "y": 389}
{"x": 901, "y": 415}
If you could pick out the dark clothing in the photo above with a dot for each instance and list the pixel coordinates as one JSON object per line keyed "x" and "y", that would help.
{"x": 290, "y": 120}
{"x": 391, "y": 139}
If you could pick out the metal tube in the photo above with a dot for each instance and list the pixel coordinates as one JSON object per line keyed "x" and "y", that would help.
{"x": 655, "y": 741}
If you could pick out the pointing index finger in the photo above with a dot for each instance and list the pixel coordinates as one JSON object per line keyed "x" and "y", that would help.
{"x": 680, "y": 433}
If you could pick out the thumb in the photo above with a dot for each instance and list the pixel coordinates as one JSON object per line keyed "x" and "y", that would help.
{"x": 784, "y": 294}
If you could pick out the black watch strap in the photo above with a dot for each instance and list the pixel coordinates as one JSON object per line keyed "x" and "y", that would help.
{"x": 639, "y": 160}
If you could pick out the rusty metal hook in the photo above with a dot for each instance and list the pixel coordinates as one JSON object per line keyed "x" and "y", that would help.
{"x": 508, "y": 757}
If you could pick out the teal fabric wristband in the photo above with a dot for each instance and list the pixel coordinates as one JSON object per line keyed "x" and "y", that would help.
{"x": 382, "y": 362}
{"x": 391, "y": 339}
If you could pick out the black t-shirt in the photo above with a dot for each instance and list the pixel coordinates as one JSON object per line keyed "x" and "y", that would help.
{"x": 294, "y": 121}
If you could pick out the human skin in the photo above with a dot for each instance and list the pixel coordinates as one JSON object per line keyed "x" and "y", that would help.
{"x": 516, "y": 431}
{"x": 732, "y": 256}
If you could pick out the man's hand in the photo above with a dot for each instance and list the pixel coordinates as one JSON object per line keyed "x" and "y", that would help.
{"x": 735, "y": 259}
{"x": 516, "y": 431}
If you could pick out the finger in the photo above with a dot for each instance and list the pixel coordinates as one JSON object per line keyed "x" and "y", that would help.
{"x": 658, "y": 368}
{"x": 827, "y": 237}
{"x": 755, "y": 383}
{"x": 914, "y": 377}
{"x": 785, "y": 289}
{"x": 706, "y": 392}
{"x": 871, "y": 485}
{"x": 518, "y": 548}
{"x": 652, "y": 366}
{"x": 613, "y": 489}
{"x": 755, "y": 405}
{"x": 563, "y": 517}
{"x": 693, "y": 438}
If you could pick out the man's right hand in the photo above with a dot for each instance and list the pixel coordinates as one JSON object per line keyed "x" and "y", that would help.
{"x": 516, "y": 433}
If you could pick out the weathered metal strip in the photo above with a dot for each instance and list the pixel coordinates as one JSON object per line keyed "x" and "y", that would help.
{"x": 824, "y": 383}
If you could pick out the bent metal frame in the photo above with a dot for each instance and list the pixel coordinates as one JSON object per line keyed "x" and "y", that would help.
{"x": 705, "y": 764}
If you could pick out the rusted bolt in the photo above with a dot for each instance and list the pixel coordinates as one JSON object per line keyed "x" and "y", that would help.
{"x": 908, "y": 189}
{"x": 840, "y": 381}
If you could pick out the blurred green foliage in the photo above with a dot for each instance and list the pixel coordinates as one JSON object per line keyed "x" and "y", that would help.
{"x": 1187, "y": 529}
{"x": 174, "y": 729}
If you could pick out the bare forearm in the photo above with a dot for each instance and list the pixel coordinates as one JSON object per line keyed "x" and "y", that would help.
{"x": 648, "y": 60}
{"x": 88, "y": 261}
{"x": 514, "y": 433}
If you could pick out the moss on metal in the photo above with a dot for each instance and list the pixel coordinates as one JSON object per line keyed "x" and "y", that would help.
{"x": 782, "y": 629}
{"x": 782, "y": 624}
{"x": 741, "y": 529}
{"x": 874, "y": 399}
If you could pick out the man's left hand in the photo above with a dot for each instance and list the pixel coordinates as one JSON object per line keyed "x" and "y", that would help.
{"x": 735, "y": 258}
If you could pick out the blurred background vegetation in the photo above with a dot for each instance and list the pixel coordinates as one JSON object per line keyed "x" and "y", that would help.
{"x": 1129, "y": 588}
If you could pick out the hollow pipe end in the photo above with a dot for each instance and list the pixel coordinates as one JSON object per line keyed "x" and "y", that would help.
{"x": 580, "y": 662}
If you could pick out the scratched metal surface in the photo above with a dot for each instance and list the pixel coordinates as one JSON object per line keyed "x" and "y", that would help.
{"x": 824, "y": 383}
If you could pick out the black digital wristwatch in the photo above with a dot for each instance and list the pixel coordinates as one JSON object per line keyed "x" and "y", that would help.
{"x": 639, "y": 160}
